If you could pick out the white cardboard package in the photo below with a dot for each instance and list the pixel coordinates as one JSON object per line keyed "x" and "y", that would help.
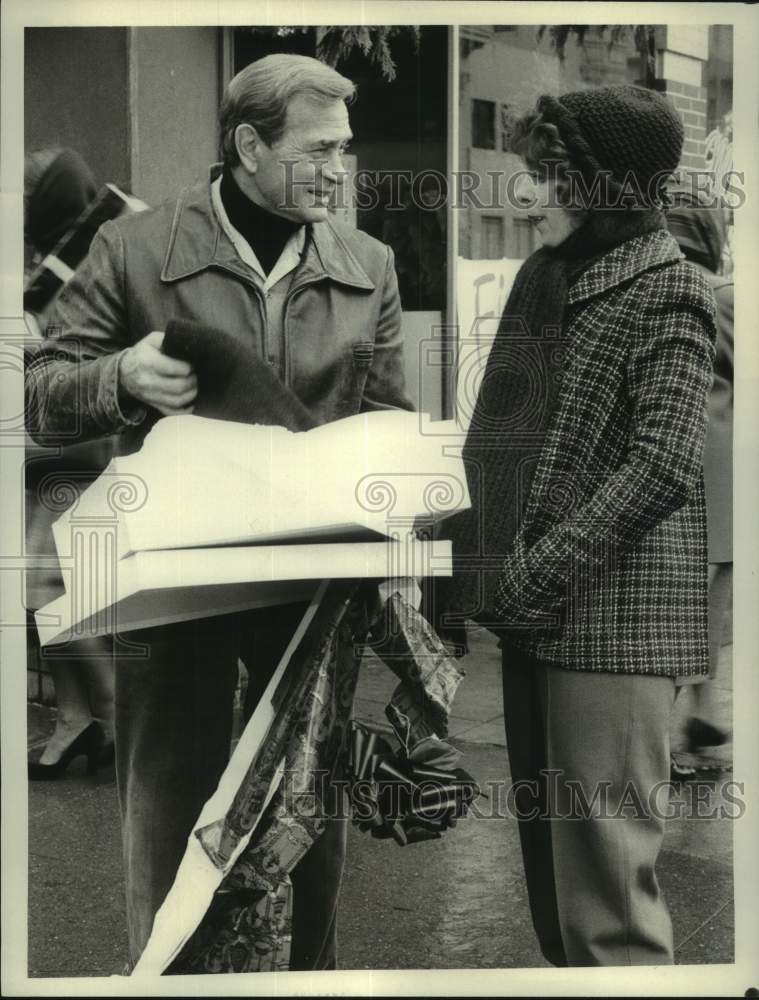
{"x": 212, "y": 517}
{"x": 198, "y": 481}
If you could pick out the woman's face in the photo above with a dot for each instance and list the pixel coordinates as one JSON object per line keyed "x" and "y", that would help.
{"x": 538, "y": 203}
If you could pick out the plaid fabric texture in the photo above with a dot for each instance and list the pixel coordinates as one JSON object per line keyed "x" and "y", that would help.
{"x": 608, "y": 570}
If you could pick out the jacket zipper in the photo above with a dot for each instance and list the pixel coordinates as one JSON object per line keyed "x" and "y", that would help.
{"x": 263, "y": 312}
{"x": 288, "y": 299}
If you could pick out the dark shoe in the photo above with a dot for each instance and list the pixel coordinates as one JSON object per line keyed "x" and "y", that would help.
{"x": 89, "y": 743}
{"x": 702, "y": 734}
{"x": 107, "y": 757}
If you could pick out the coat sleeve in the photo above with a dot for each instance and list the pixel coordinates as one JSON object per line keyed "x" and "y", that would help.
{"x": 385, "y": 387}
{"x": 669, "y": 376}
{"x": 71, "y": 381}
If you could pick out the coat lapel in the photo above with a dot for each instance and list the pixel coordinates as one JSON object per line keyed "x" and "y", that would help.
{"x": 198, "y": 241}
{"x": 625, "y": 262}
{"x": 329, "y": 256}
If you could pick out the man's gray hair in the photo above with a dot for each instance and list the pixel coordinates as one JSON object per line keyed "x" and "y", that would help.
{"x": 260, "y": 93}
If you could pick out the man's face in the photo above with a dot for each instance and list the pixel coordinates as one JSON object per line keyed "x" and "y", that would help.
{"x": 297, "y": 175}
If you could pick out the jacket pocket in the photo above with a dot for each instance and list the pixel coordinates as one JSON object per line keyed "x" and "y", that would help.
{"x": 354, "y": 370}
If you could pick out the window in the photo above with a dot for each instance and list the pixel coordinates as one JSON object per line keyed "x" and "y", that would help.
{"x": 524, "y": 238}
{"x": 491, "y": 240}
{"x": 483, "y": 124}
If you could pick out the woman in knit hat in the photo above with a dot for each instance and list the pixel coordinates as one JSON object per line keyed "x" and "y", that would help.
{"x": 585, "y": 547}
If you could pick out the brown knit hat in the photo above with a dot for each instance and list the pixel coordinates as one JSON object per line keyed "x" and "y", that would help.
{"x": 633, "y": 133}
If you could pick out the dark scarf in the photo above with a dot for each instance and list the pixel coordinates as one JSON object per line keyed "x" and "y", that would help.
{"x": 516, "y": 400}
{"x": 265, "y": 232}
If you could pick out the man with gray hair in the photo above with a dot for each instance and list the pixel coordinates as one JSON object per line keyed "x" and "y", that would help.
{"x": 252, "y": 256}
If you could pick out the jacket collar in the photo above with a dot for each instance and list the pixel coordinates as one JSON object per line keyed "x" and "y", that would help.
{"x": 624, "y": 262}
{"x": 198, "y": 241}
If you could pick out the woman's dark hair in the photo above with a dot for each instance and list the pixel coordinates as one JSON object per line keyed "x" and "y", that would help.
{"x": 540, "y": 146}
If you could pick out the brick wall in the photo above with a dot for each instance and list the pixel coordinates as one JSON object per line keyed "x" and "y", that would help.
{"x": 690, "y": 102}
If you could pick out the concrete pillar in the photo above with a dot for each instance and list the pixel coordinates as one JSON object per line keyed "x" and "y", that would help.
{"x": 70, "y": 100}
{"x": 174, "y": 91}
{"x": 139, "y": 104}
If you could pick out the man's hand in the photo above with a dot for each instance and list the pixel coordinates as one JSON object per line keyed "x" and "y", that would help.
{"x": 167, "y": 384}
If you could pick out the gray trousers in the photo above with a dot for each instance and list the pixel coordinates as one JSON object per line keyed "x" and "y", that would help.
{"x": 590, "y": 865}
{"x": 173, "y": 726}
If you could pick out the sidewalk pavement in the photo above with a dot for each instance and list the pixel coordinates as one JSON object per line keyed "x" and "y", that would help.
{"x": 459, "y": 902}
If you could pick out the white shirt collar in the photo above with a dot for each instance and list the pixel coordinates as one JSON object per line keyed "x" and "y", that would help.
{"x": 288, "y": 259}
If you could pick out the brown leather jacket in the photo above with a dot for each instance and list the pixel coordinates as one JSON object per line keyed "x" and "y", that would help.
{"x": 343, "y": 350}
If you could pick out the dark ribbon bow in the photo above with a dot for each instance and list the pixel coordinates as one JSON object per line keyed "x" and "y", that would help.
{"x": 410, "y": 795}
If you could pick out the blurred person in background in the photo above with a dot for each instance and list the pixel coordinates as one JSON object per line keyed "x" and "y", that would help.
{"x": 718, "y": 155}
{"x": 700, "y": 232}
{"x": 58, "y": 188}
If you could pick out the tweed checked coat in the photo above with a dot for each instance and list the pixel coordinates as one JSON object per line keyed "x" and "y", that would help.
{"x": 609, "y": 568}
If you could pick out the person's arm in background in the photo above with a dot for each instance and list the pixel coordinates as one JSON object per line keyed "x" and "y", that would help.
{"x": 72, "y": 379}
{"x": 88, "y": 379}
{"x": 385, "y": 386}
{"x": 669, "y": 377}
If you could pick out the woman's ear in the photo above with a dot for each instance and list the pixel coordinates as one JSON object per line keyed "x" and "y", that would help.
{"x": 247, "y": 143}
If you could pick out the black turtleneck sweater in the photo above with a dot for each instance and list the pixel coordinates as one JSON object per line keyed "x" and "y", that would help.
{"x": 265, "y": 232}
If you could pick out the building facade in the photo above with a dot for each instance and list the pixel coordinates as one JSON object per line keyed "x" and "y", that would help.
{"x": 504, "y": 69}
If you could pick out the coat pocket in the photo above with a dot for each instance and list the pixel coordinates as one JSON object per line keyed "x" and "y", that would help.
{"x": 357, "y": 362}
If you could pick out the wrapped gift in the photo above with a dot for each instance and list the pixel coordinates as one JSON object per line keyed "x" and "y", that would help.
{"x": 411, "y": 793}
{"x": 228, "y": 909}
